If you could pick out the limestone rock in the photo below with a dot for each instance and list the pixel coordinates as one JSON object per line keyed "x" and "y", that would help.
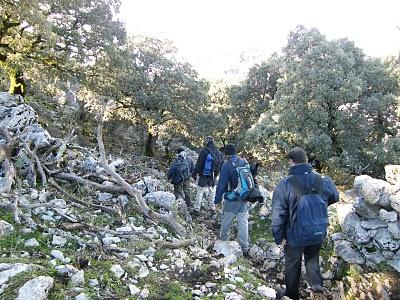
{"x": 162, "y": 199}
{"x": 266, "y": 292}
{"x": 385, "y": 240}
{"x": 351, "y": 224}
{"x": 32, "y": 243}
{"x": 227, "y": 248}
{"x": 117, "y": 270}
{"x": 36, "y": 289}
{"x": 388, "y": 216}
{"x": 5, "y": 228}
{"x": 134, "y": 290}
{"x": 364, "y": 209}
{"x": 373, "y": 224}
{"x": 392, "y": 174}
{"x": 394, "y": 229}
{"x": 374, "y": 191}
{"x": 345, "y": 250}
{"x": 7, "y": 271}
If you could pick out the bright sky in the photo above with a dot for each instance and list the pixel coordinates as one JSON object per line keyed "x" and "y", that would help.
{"x": 219, "y": 36}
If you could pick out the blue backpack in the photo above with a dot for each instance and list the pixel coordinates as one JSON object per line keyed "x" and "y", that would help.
{"x": 208, "y": 164}
{"x": 245, "y": 182}
{"x": 310, "y": 221}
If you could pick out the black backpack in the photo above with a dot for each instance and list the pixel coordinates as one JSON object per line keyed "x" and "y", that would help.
{"x": 179, "y": 170}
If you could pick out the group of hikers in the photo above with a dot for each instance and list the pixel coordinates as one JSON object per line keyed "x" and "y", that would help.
{"x": 299, "y": 204}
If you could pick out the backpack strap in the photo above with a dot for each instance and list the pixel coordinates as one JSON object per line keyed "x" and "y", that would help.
{"x": 300, "y": 190}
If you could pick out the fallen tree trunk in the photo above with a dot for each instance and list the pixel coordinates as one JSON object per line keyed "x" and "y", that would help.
{"x": 75, "y": 178}
{"x": 161, "y": 244}
{"x": 163, "y": 218}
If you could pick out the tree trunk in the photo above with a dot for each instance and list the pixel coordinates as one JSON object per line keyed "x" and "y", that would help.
{"x": 17, "y": 83}
{"x": 152, "y": 137}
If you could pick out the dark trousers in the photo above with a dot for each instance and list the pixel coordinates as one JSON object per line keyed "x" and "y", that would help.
{"x": 293, "y": 257}
{"x": 182, "y": 190}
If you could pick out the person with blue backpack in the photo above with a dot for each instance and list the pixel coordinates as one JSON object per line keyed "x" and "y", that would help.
{"x": 300, "y": 220}
{"x": 179, "y": 175}
{"x": 234, "y": 186}
{"x": 208, "y": 166}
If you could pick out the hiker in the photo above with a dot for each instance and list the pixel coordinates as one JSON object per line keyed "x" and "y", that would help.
{"x": 208, "y": 166}
{"x": 254, "y": 171}
{"x": 233, "y": 204}
{"x": 300, "y": 220}
{"x": 179, "y": 175}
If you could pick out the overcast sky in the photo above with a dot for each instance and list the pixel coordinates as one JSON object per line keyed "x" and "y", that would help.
{"x": 217, "y": 36}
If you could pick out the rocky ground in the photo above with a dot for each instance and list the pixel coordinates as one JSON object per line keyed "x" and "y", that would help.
{"x": 75, "y": 233}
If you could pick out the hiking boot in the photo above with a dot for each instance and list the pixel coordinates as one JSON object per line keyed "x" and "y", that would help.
{"x": 246, "y": 254}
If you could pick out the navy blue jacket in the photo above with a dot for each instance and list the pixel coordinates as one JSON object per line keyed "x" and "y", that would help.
{"x": 284, "y": 201}
{"x": 199, "y": 168}
{"x": 228, "y": 179}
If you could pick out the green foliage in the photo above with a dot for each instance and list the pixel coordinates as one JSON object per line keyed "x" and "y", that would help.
{"x": 334, "y": 102}
{"x": 56, "y": 38}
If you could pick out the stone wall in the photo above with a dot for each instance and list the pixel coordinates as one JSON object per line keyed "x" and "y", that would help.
{"x": 370, "y": 221}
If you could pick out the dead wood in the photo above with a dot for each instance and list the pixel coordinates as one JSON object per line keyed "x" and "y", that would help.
{"x": 161, "y": 244}
{"x": 36, "y": 160}
{"x": 114, "y": 189}
{"x": 74, "y": 199}
{"x": 163, "y": 218}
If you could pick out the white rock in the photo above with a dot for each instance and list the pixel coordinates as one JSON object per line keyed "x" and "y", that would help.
{"x": 32, "y": 243}
{"x": 93, "y": 282}
{"x": 57, "y": 254}
{"x": 163, "y": 267}
{"x": 266, "y": 292}
{"x": 124, "y": 229}
{"x": 143, "y": 272}
{"x": 134, "y": 290}
{"x": 107, "y": 241}
{"x": 227, "y": 248}
{"x": 5, "y": 228}
{"x": 117, "y": 270}
{"x": 233, "y": 296}
{"x": 36, "y": 289}
{"x": 197, "y": 293}
{"x": 388, "y": 216}
{"x": 58, "y": 241}
{"x": 144, "y": 294}
{"x": 229, "y": 260}
{"x": 7, "y": 271}
{"x": 66, "y": 270}
{"x": 82, "y": 296}
{"x": 47, "y": 218}
{"x": 78, "y": 278}
{"x": 142, "y": 257}
{"x": 180, "y": 263}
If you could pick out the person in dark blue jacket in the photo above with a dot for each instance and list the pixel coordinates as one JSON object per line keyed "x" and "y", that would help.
{"x": 207, "y": 178}
{"x": 228, "y": 181}
{"x": 284, "y": 208}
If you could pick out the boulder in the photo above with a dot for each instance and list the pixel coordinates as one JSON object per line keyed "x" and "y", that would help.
{"x": 392, "y": 174}
{"x": 394, "y": 229}
{"x": 351, "y": 224}
{"x": 227, "y": 248}
{"x": 7, "y": 271}
{"x": 36, "y": 289}
{"x": 373, "y": 224}
{"x": 374, "y": 191}
{"x": 5, "y": 228}
{"x": 364, "y": 209}
{"x": 385, "y": 241}
{"x": 345, "y": 250}
{"x": 165, "y": 200}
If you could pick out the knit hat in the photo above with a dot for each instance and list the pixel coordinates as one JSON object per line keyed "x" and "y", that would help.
{"x": 209, "y": 139}
{"x": 230, "y": 149}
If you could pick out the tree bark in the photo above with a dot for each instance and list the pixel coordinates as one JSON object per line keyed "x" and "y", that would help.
{"x": 152, "y": 137}
{"x": 17, "y": 83}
